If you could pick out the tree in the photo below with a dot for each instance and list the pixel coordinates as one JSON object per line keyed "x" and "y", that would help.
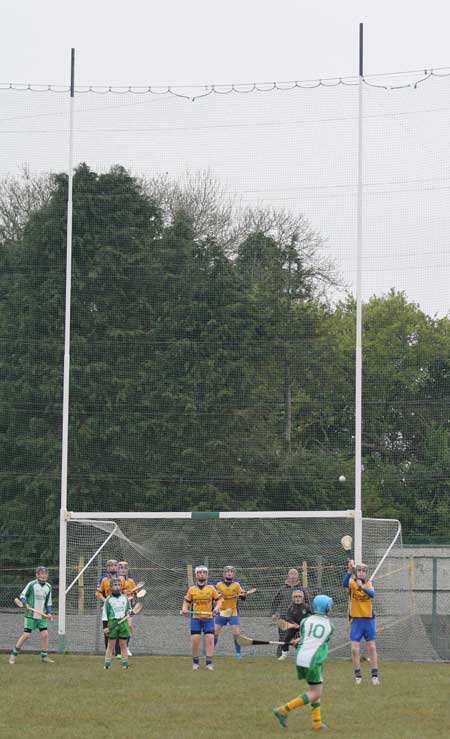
{"x": 284, "y": 275}
{"x": 115, "y": 225}
{"x": 210, "y": 208}
{"x": 20, "y": 196}
{"x": 406, "y": 407}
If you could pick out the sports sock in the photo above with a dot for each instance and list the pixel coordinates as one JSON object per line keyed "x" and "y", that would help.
{"x": 374, "y": 672}
{"x": 315, "y": 715}
{"x": 44, "y": 654}
{"x": 16, "y": 651}
{"x": 301, "y": 700}
{"x": 358, "y": 672}
{"x": 209, "y": 660}
{"x": 237, "y": 646}
{"x": 107, "y": 663}
{"x": 124, "y": 663}
{"x": 196, "y": 660}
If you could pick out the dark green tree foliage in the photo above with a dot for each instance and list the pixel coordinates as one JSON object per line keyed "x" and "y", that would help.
{"x": 114, "y": 226}
{"x": 201, "y": 381}
{"x": 297, "y": 466}
{"x": 196, "y": 379}
{"x": 406, "y": 413}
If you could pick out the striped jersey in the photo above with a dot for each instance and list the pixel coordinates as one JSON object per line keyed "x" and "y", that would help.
{"x": 315, "y": 632}
{"x": 38, "y": 595}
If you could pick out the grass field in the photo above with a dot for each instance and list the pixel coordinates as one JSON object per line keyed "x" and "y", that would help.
{"x": 161, "y": 697}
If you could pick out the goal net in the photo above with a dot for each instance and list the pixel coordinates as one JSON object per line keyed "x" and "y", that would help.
{"x": 164, "y": 550}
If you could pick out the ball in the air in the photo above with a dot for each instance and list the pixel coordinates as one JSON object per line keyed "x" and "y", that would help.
{"x": 342, "y": 478}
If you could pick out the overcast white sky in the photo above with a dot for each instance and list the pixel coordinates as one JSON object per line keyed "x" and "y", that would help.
{"x": 288, "y": 153}
{"x": 176, "y": 41}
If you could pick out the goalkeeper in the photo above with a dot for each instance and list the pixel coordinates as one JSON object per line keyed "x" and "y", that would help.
{"x": 115, "y": 608}
{"x": 283, "y": 599}
{"x": 362, "y": 616}
{"x": 312, "y": 651}
{"x": 297, "y": 611}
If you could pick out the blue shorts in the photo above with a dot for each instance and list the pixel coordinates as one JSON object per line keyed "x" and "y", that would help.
{"x": 202, "y": 624}
{"x": 362, "y": 627}
{"x": 223, "y": 621}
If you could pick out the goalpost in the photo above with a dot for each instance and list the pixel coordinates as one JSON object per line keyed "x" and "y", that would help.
{"x": 74, "y": 575}
{"x": 163, "y": 549}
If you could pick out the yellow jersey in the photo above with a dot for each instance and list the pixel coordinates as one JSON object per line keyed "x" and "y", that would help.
{"x": 360, "y": 602}
{"x": 230, "y": 593}
{"x": 104, "y": 586}
{"x": 128, "y": 584}
{"x": 202, "y": 598}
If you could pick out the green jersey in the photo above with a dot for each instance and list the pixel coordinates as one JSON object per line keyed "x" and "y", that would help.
{"x": 315, "y": 632}
{"x": 114, "y": 608}
{"x": 38, "y": 595}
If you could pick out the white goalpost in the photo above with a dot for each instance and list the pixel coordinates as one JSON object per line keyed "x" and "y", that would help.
{"x": 163, "y": 549}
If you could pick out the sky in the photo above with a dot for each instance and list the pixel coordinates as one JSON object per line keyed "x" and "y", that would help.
{"x": 199, "y": 41}
{"x": 296, "y": 150}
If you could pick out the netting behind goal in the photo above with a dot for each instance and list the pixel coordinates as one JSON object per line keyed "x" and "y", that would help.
{"x": 164, "y": 553}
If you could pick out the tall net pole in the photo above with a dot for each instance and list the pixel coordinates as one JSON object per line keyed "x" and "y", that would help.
{"x": 358, "y": 355}
{"x": 65, "y": 419}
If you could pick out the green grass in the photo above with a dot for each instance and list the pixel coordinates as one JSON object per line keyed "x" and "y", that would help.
{"x": 162, "y": 697}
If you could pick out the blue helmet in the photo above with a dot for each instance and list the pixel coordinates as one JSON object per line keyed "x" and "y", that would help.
{"x": 322, "y": 604}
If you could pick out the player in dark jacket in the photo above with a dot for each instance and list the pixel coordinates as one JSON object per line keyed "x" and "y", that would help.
{"x": 297, "y": 611}
{"x": 283, "y": 600}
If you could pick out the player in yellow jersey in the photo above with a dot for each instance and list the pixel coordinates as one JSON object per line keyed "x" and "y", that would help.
{"x": 124, "y": 571}
{"x": 362, "y": 593}
{"x": 202, "y": 602}
{"x": 231, "y": 591}
{"x": 104, "y": 586}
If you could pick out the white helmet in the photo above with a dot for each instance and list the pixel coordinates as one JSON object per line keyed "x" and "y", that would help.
{"x": 201, "y": 568}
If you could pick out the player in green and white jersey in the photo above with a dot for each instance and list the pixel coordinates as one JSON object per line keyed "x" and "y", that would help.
{"x": 36, "y": 594}
{"x": 116, "y": 607}
{"x": 312, "y": 651}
